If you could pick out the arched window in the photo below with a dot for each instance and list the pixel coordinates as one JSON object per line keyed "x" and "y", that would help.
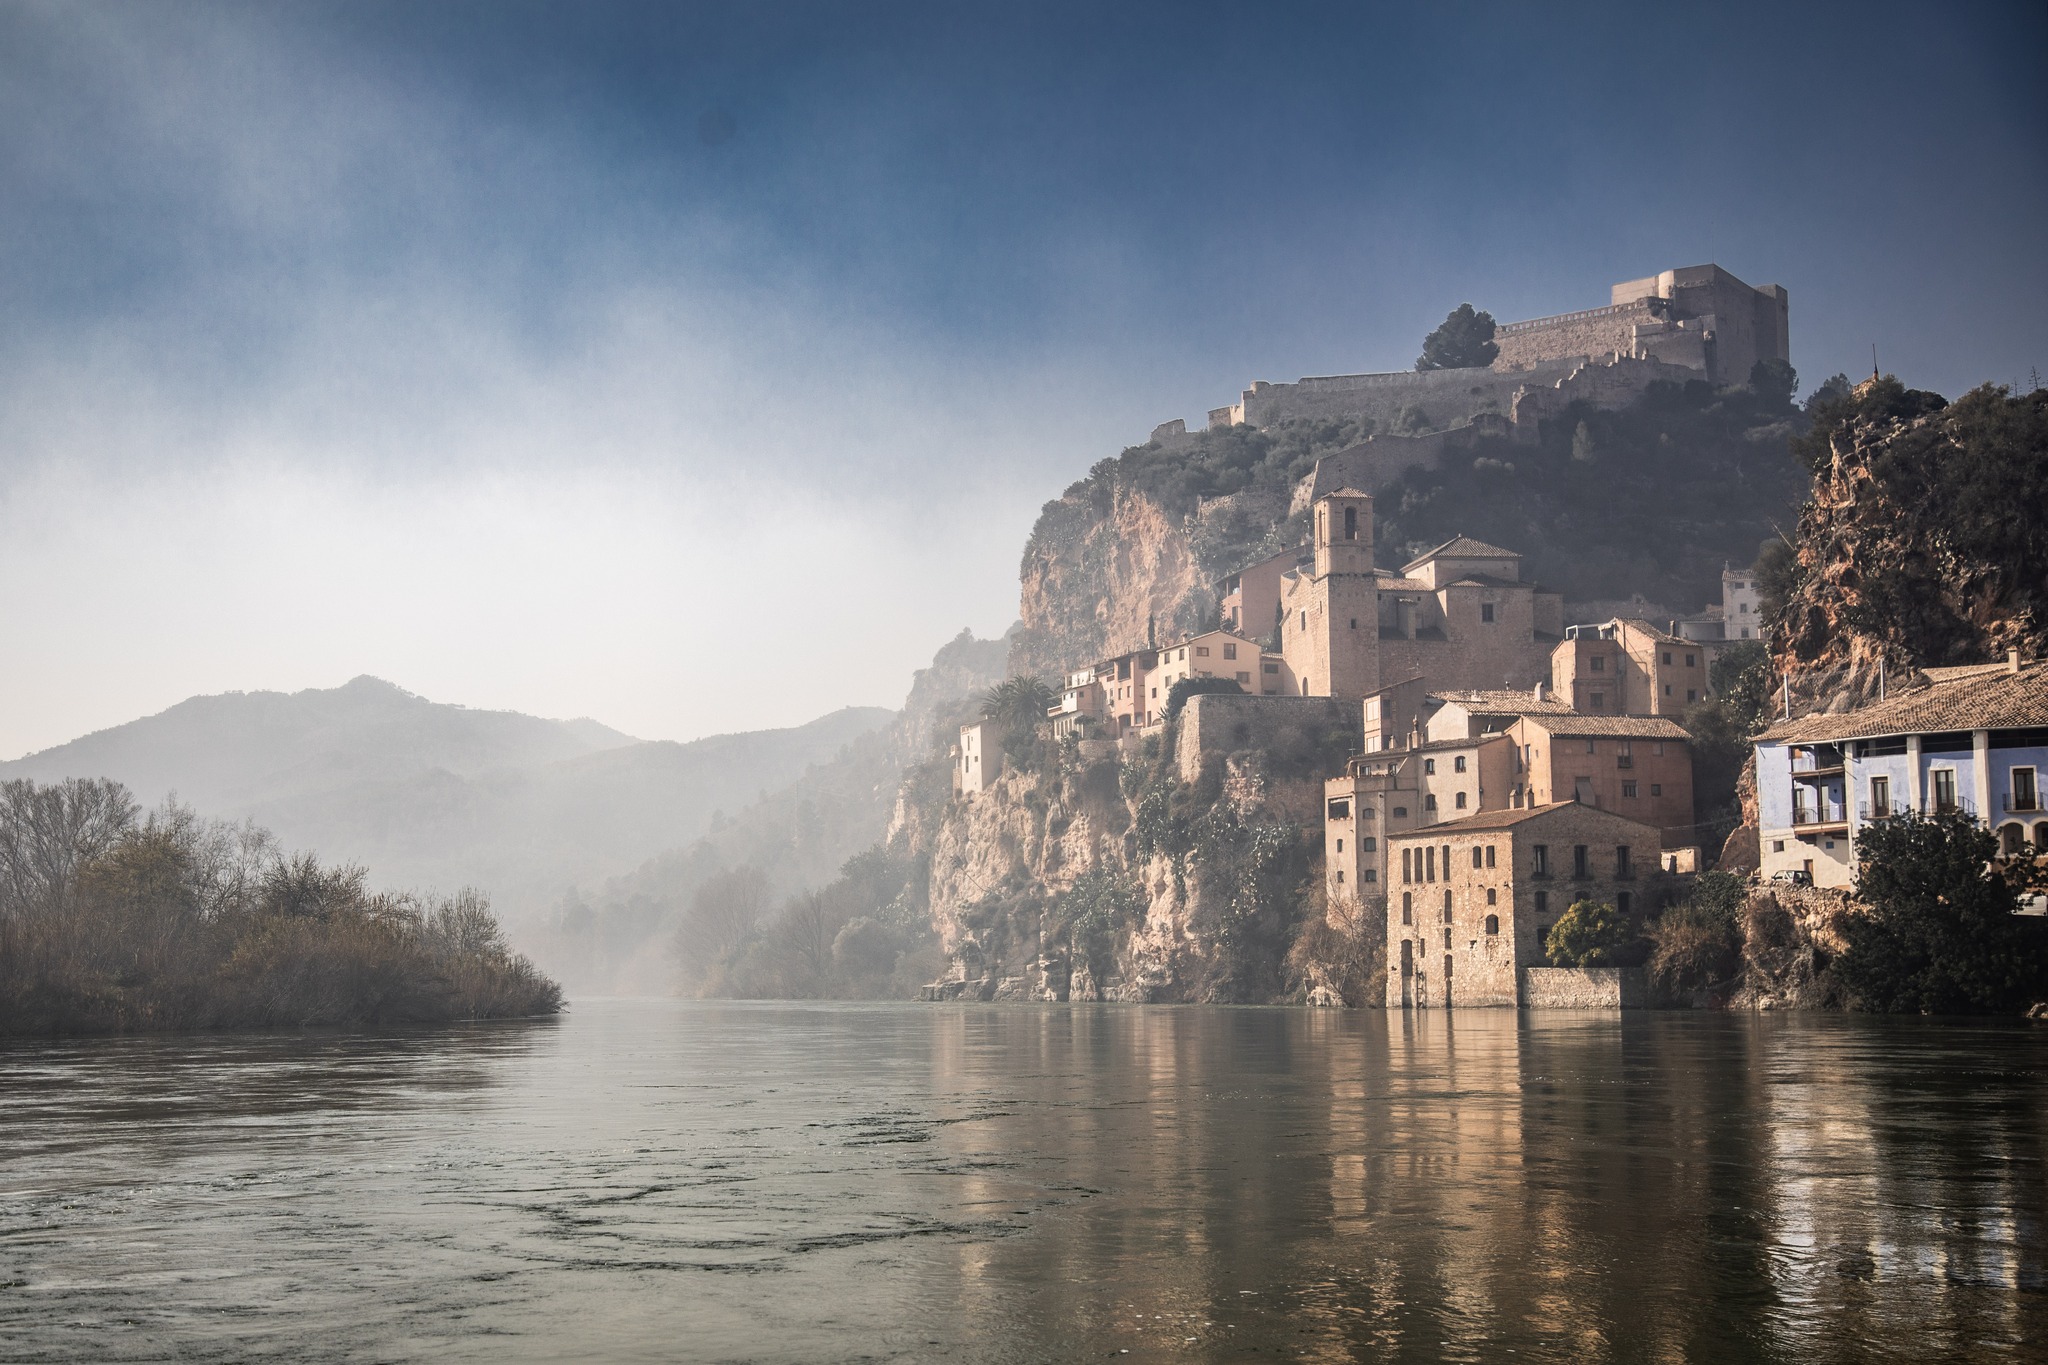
{"x": 2011, "y": 840}
{"x": 1491, "y": 898}
{"x": 1407, "y": 908}
{"x": 2041, "y": 838}
{"x": 1447, "y": 907}
{"x": 1351, "y": 523}
{"x": 1493, "y": 924}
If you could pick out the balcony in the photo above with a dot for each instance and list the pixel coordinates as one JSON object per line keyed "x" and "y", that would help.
{"x": 1815, "y": 774}
{"x": 1885, "y": 810}
{"x": 2020, "y": 804}
{"x": 1805, "y": 818}
{"x": 1624, "y": 761}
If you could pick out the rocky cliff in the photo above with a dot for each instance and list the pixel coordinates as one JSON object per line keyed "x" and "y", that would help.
{"x": 1923, "y": 541}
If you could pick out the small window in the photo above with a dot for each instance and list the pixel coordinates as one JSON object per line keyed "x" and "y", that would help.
{"x": 1667, "y": 656}
{"x": 1539, "y": 859}
{"x": 1492, "y": 896}
{"x": 1447, "y": 948}
{"x": 1656, "y": 789}
{"x": 1447, "y": 895}
{"x": 1599, "y": 700}
{"x": 1692, "y": 661}
{"x": 1628, "y": 789}
{"x": 1459, "y": 801}
{"x": 1582, "y": 866}
{"x": 1229, "y": 651}
{"x": 1400, "y": 813}
{"x": 1368, "y": 844}
{"x": 1407, "y": 906}
{"x": 1351, "y": 523}
{"x": 1429, "y": 801}
{"x": 1489, "y": 855}
{"x": 1340, "y": 845}
{"x": 1340, "y": 809}
{"x": 1304, "y": 620}
{"x": 1542, "y": 908}
{"x": 1493, "y": 924}
{"x": 1623, "y": 867}
{"x": 1354, "y": 623}
{"x": 1692, "y": 694}
{"x": 1243, "y": 677}
{"x": 1201, "y": 651}
{"x": 1369, "y": 875}
{"x": 1777, "y": 845}
{"x": 1340, "y": 876}
{"x": 1429, "y": 865}
{"x": 1458, "y": 764}
{"x": 1667, "y": 689}
{"x": 1429, "y": 767}
{"x": 1269, "y": 668}
{"x": 1486, "y": 611}
{"x": 1475, "y": 855}
{"x": 1598, "y": 664}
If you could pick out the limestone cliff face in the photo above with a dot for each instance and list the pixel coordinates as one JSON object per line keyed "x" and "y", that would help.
{"x": 1103, "y": 574}
{"x": 1922, "y": 542}
{"x": 1086, "y": 879}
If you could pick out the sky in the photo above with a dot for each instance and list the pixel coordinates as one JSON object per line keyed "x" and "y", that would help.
{"x": 703, "y": 368}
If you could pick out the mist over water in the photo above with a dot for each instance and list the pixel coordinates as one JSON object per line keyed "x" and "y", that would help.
{"x": 667, "y": 1180}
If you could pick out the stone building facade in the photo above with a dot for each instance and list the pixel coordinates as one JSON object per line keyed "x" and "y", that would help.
{"x": 1699, "y": 317}
{"x": 1469, "y": 903}
{"x": 1638, "y": 766}
{"x": 1628, "y": 668}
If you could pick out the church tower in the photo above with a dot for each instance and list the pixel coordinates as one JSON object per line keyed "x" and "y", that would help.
{"x": 1329, "y": 627}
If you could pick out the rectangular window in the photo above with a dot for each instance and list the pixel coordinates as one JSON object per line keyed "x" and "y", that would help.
{"x": 1628, "y": 789}
{"x": 1340, "y": 876}
{"x": 1599, "y": 700}
{"x": 1489, "y": 855}
{"x": 1597, "y": 664}
{"x": 1458, "y": 764}
{"x": 1667, "y": 656}
{"x": 1621, "y": 901}
{"x": 1243, "y": 677}
{"x": 1340, "y": 809}
{"x": 1369, "y": 875}
{"x": 1622, "y": 866}
{"x": 1692, "y": 694}
{"x": 1269, "y": 668}
{"x": 1368, "y": 844}
{"x": 1880, "y": 797}
{"x": 1202, "y": 651}
{"x": 1692, "y": 661}
{"x": 1667, "y": 689}
{"x": 1581, "y": 864}
{"x": 1539, "y": 860}
{"x": 1429, "y": 767}
{"x": 1429, "y": 865}
{"x": 1447, "y": 948}
{"x": 1542, "y": 903}
{"x": 1486, "y": 611}
{"x": 2025, "y": 795}
{"x": 1460, "y": 802}
{"x": 1229, "y": 651}
{"x": 1406, "y": 872}
{"x": 1944, "y": 789}
{"x": 1340, "y": 845}
{"x": 1478, "y": 858}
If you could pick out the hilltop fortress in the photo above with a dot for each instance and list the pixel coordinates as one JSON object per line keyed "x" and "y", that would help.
{"x": 1694, "y": 323}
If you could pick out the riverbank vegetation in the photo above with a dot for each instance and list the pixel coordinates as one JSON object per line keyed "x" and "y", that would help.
{"x": 113, "y": 922}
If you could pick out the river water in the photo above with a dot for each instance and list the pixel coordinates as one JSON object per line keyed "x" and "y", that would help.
{"x": 670, "y": 1181}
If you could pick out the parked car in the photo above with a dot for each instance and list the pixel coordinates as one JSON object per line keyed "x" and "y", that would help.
{"x": 1797, "y": 876}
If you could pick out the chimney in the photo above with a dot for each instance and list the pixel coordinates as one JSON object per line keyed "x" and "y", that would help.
{"x": 1540, "y": 692}
{"x": 2012, "y": 661}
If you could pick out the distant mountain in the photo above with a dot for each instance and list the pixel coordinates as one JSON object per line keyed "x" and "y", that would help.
{"x": 428, "y": 794}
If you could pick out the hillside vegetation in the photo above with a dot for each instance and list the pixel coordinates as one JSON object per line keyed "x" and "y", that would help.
{"x": 110, "y": 923}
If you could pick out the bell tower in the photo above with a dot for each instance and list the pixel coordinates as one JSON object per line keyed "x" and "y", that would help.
{"x": 1343, "y": 533}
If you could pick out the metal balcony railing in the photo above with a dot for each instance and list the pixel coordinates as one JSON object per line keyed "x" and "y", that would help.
{"x": 2025, "y": 801}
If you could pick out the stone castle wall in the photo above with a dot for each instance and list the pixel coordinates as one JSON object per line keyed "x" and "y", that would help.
{"x": 1592, "y": 333}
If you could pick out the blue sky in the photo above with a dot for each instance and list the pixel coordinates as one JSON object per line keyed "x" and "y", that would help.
{"x": 702, "y": 368}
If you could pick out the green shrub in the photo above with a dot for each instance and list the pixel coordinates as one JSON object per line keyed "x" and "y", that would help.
{"x": 1589, "y": 934}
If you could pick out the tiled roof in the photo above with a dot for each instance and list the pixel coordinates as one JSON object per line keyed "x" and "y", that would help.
{"x": 1503, "y": 819}
{"x": 1662, "y": 635}
{"x": 1460, "y": 547}
{"x": 2003, "y": 700}
{"x": 1506, "y": 703}
{"x": 1609, "y": 727}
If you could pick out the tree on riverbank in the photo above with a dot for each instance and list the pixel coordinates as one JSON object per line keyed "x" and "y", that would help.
{"x": 110, "y": 924}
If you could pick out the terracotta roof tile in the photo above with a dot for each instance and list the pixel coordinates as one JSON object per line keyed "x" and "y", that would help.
{"x": 1610, "y": 727}
{"x": 1986, "y": 701}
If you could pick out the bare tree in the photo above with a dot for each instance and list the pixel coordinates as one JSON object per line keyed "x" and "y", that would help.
{"x": 47, "y": 832}
{"x": 722, "y": 916}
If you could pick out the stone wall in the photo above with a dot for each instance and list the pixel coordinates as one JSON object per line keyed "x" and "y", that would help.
{"x": 1445, "y": 398}
{"x": 1595, "y": 332}
{"x": 1583, "y": 988}
{"x": 1217, "y": 724}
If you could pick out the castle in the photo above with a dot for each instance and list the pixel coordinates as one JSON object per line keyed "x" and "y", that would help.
{"x": 1694, "y": 323}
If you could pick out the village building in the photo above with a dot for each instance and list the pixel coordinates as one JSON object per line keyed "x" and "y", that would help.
{"x": 1248, "y": 601}
{"x": 1628, "y": 668}
{"x": 1462, "y": 714}
{"x": 1385, "y": 793}
{"x": 1974, "y": 741}
{"x": 1470, "y": 902}
{"x": 1637, "y": 766}
{"x": 1130, "y": 691}
{"x": 1459, "y": 616}
{"x": 977, "y": 758}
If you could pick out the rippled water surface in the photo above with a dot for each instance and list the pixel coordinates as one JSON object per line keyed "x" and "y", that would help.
{"x": 668, "y": 1181}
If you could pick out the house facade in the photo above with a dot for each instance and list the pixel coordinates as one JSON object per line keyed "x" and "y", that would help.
{"x": 1973, "y": 741}
{"x": 977, "y": 758}
{"x": 1470, "y": 902}
{"x": 1637, "y": 766}
{"x": 1628, "y": 668}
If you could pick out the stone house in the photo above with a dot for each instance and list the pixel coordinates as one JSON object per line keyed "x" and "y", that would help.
{"x": 977, "y": 758}
{"x": 1470, "y": 902}
{"x": 1463, "y": 714}
{"x": 1396, "y": 790}
{"x": 1248, "y": 601}
{"x": 1130, "y": 691}
{"x": 1975, "y": 741}
{"x": 1638, "y": 766}
{"x": 1628, "y": 668}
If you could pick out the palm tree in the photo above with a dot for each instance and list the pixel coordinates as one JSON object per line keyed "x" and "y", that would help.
{"x": 1019, "y": 703}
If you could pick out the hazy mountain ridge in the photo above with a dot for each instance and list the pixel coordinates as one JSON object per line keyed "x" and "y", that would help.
{"x": 428, "y": 794}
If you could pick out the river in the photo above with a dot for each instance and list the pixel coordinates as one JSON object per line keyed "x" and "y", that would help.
{"x": 660, "y": 1180}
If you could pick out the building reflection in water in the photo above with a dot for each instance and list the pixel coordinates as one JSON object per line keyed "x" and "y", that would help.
{"x": 1429, "y": 1184}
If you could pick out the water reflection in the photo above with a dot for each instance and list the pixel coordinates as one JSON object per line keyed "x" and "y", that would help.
{"x": 666, "y": 1181}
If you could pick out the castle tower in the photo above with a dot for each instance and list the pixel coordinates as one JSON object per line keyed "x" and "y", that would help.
{"x": 1329, "y": 627}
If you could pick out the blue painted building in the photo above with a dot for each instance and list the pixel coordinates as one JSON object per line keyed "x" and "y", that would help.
{"x": 1975, "y": 740}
